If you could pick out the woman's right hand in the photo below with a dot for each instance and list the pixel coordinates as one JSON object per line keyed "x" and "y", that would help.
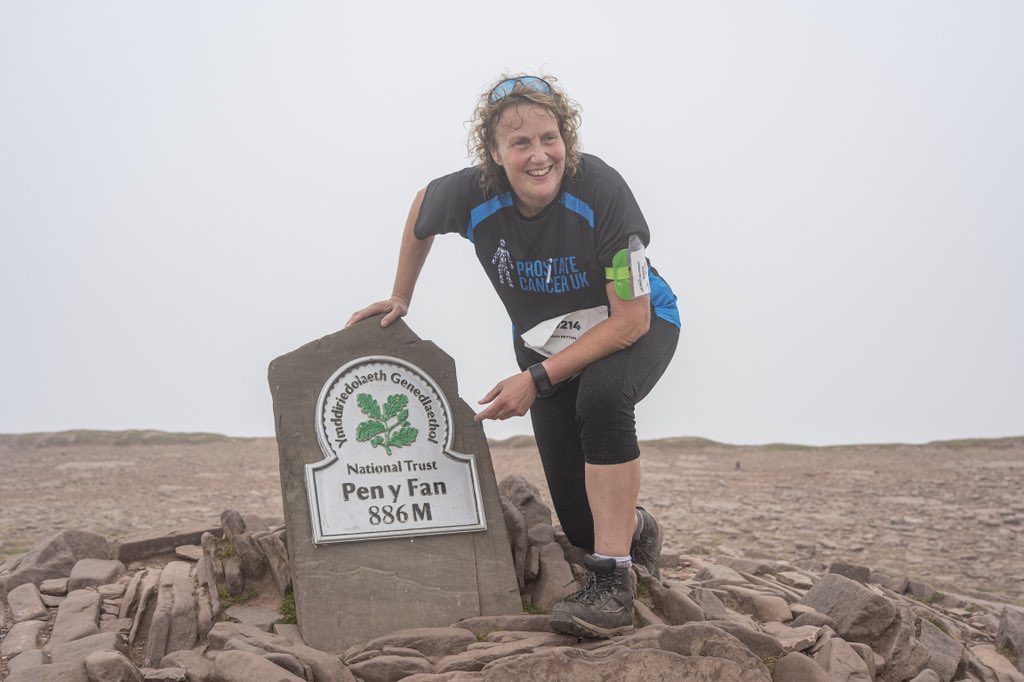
{"x": 392, "y": 308}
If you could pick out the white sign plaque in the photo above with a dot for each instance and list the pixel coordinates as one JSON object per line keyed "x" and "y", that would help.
{"x": 388, "y": 469}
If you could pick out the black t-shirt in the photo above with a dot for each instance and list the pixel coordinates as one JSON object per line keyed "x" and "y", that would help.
{"x": 553, "y": 263}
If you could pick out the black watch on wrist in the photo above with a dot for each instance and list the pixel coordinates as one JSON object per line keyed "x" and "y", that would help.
{"x": 541, "y": 380}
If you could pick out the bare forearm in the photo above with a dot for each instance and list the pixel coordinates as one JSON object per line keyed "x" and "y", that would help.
{"x": 411, "y": 256}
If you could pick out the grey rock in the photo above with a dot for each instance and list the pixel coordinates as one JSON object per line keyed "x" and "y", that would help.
{"x": 232, "y": 523}
{"x": 715, "y": 575}
{"x": 762, "y": 644}
{"x": 257, "y": 616}
{"x": 121, "y": 625}
{"x": 290, "y": 663}
{"x": 795, "y": 579}
{"x": 174, "y": 625}
{"x": 921, "y": 590}
{"x": 188, "y": 552}
{"x": 927, "y": 676}
{"x": 93, "y": 572}
{"x": 111, "y": 666}
{"x": 78, "y": 616}
{"x": 250, "y": 557}
{"x": 1010, "y": 634}
{"x": 50, "y": 601}
{"x": 644, "y": 616}
{"x": 25, "y": 603}
{"x": 904, "y": 655}
{"x": 795, "y": 667}
{"x": 22, "y": 637}
{"x": 984, "y": 662}
{"x": 794, "y": 639}
{"x": 763, "y": 607}
{"x": 554, "y": 580}
{"x": 200, "y": 668}
{"x": 815, "y": 618}
{"x": 390, "y": 668}
{"x": 55, "y": 587}
{"x": 325, "y": 667}
{"x": 233, "y": 579}
{"x": 76, "y": 651}
{"x": 54, "y": 557}
{"x": 616, "y": 663}
{"x": 25, "y": 659}
{"x": 526, "y": 497}
{"x": 695, "y": 639}
{"x": 289, "y": 630}
{"x": 131, "y": 595}
{"x": 209, "y": 543}
{"x": 172, "y": 675}
{"x": 752, "y": 566}
{"x": 841, "y": 662}
{"x": 872, "y": 660}
{"x": 944, "y": 651}
{"x": 148, "y": 592}
{"x": 481, "y": 625}
{"x": 860, "y": 614}
{"x": 241, "y": 666}
{"x": 540, "y": 534}
{"x": 674, "y": 605}
{"x": 897, "y": 585}
{"x": 515, "y": 524}
{"x": 276, "y": 553}
{"x": 112, "y": 592}
{"x": 711, "y": 605}
{"x": 57, "y": 672}
{"x": 476, "y": 658}
{"x": 861, "y": 574}
{"x": 429, "y": 642}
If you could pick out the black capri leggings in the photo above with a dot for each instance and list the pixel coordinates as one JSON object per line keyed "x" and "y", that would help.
{"x": 590, "y": 420}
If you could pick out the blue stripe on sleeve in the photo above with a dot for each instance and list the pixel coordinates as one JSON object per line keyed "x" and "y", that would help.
{"x": 664, "y": 301}
{"x": 577, "y": 205}
{"x": 486, "y": 210}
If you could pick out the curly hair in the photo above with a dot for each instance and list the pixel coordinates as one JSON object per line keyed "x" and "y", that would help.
{"x": 484, "y": 124}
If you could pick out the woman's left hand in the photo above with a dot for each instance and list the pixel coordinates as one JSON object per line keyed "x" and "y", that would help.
{"x": 512, "y": 397}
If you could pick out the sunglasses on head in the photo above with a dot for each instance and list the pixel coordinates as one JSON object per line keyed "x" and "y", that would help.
{"x": 506, "y": 87}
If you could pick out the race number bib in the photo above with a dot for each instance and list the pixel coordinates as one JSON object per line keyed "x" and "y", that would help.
{"x": 551, "y": 336}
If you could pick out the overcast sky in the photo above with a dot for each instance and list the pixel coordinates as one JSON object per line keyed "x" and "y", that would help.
{"x": 835, "y": 193}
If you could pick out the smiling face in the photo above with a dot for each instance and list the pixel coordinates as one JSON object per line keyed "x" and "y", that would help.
{"x": 528, "y": 145}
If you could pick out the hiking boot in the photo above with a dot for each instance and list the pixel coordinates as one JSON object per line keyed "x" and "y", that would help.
{"x": 603, "y": 607}
{"x": 646, "y": 549}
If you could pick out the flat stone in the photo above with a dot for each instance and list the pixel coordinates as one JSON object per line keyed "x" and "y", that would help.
{"x": 841, "y": 662}
{"x": 25, "y": 603}
{"x": 93, "y": 572}
{"x": 554, "y": 580}
{"x": 112, "y": 591}
{"x": 481, "y": 625}
{"x": 711, "y": 605}
{"x": 56, "y": 672}
{"x": 276, "y": 553}
{"x": 199, "y": 667}
{"x": 55, "y": 587}
{"x": 715, "y": 575}
{"x": 696, "y": 639}
{"x": 289, "y": 630}
{"x": 526, "y": 498}
{"x": 860, "y": 614}
{"x": 122, "y": 625}
{"x": 189, "y": 552}
{"x": 795, "y": 667}
{"x": 54, "y": 557}
{"x": 172, "y": 675}
{"x": 78, "y": 616}
{"x": 927, "y": 676}
{"x": 79, "y": 649}
{"x": 795, "y": 579}
{"x": 904, "y": 654}
{"x": 674, "y": 605}
{"x": 175, "y": 624}
{"x": 1010, "y": 634}
{"x": 325, "y": 667}
{"x": 111, "y": 666}
{"x": 644, "y": 616}
{"x": 764, "y": 607}
{"x": 741, "y": 565}
{"x": 477, "y": 658}
{"x": 50, "y": 601}
{"x": 617, "y": 663}
{"x": 390, "y": 668}
{"x": 242, "y": 666}
{"x": 22, "y": 637}
{"x": 795, "y": 639}
{"x": 763, "y": 644}
{"x": 989, "y": 664}
{"x": 944, "y": 651}
{"x": 429, "y": 642}
{"x": 290, "y": 663}
{"x": 861, "y": 574}
{"x": 257, "y": 616}
{"x": 25, "y": 659}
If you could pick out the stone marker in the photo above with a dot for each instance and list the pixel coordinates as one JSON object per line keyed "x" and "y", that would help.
{"x": 393, "y": 514}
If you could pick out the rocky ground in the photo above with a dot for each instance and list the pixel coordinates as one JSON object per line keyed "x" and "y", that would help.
{"x": 948, "y": 513}
{"x": 782, "y": 564}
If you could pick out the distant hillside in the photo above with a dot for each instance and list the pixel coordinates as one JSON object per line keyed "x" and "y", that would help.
{"x": 152, "y": 437}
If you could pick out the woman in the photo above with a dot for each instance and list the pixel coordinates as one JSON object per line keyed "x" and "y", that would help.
{"x": 591, "y": 336}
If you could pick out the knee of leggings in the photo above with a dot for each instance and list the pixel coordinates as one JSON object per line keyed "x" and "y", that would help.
{"x": 607, "y": 428}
